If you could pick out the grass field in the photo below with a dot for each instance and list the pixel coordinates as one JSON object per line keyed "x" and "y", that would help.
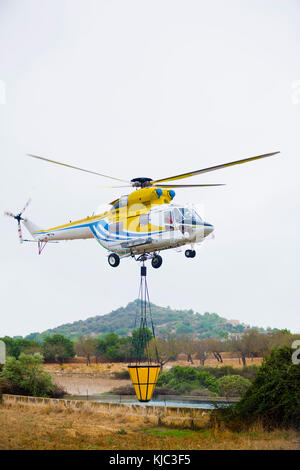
{"x": 31, "y": 428}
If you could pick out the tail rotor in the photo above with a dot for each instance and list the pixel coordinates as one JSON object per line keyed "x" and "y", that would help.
{"x": 18, "y": 217}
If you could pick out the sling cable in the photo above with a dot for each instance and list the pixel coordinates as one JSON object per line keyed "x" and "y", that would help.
{"x": 144, "y": 376}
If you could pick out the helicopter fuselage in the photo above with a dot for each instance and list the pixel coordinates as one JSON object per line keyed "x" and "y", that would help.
{"x": 145, "y": 221}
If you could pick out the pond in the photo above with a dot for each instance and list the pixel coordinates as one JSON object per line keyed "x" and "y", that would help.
{"x": 159, "y": 400}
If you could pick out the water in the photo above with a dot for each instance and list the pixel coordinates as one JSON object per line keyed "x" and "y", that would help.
{"x": 185, "y": 402}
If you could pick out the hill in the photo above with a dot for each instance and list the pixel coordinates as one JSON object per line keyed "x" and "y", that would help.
{"x": 165, "y": 319}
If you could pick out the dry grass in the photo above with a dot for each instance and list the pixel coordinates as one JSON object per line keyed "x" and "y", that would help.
{"x": 32, "y": 428}
{"x": 101, "y": 368}
{"x": 110, "y": 368}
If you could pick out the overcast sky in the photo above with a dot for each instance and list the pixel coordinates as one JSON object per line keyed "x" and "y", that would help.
{"x": 140, "y": 88}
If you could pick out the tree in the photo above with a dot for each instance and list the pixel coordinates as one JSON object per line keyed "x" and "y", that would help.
{"x": 140, "y": 338}
{"x": 86, "y": 346}
{"x": 202, "y": 350}
{"x": 114, "y": 348}
{"x": 252, "y": 343}
{"x": 14, "y": 346}
{"x": 280, "y": 338}
{"x": 58, "y": 348}
{"x": 27, "y": 376}
{"x": 215, "y": 347}
{"x": 187, "y": 346}
{"x": 166, "y": 349}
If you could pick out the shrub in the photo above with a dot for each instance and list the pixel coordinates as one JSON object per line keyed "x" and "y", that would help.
{"x": 273, "y": 398}
{"x": 26, "y": 376}
{"x": 248, "y": 372}
{"x": 185, "y": 379}
{"x": 233, "y": 385}
{"x": 202, "y": 392}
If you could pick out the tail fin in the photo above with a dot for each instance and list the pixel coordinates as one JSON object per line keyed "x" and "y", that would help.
{"x": 32, "y": 228}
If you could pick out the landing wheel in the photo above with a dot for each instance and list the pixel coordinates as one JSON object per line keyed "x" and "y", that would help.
{"x": 156, "y": 261}
{"x": 190, "y": 253}
{"x": 113, "y": 260}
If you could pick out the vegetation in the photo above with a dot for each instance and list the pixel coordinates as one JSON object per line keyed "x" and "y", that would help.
{"x": 114, "y": 348}
{"x": 25, "y": 428}
{"x": 166, "y": 321}
{"x": 185, "y": 379}
{"x": 14, "y": 346}
{"x": 57, "y": 348}
{"x": 273, "y": 397}
{"x": 204, "y": 381}
{"x": 26, "y": 376}
{"x": 233, "y": 385}
{"x": 248, "y": 372}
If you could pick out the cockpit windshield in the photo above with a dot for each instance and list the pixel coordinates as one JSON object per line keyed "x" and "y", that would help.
{"x": 170, "y": 216}
{"x": 184, "y": 215}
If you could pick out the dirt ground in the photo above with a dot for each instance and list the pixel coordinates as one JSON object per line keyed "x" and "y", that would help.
{"x": 48, "y": 429}
{"x": 80, "y": 385}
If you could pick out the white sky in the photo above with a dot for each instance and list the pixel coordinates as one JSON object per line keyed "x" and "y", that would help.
{"x": 138, "y": 88}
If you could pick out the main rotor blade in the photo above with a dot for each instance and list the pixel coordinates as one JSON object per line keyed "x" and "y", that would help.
{"x": 213, "y": 168}
{"x": 185, "y": 185}
{"x": 75, "y": 167}
{"x": 122, "y": 186}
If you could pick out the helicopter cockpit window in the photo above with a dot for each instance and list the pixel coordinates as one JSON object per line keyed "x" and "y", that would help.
{"x": 190, "y": 216}
{"x": 178, "y": 216}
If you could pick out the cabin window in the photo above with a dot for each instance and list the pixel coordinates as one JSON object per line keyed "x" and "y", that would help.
{"x": 169, "y": 220}
{"x": 178, "y": 216}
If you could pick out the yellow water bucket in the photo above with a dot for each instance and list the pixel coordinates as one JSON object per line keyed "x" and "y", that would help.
{"x": 144, "y": 378}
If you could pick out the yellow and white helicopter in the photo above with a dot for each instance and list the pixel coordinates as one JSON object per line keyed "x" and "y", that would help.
{"x": 138, "y": 225}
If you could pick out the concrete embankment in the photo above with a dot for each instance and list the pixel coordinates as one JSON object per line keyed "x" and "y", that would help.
{"x": 183, "y": 417}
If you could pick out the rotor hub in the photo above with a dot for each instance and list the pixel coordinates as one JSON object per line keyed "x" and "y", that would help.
{"x": 141, "y": 182}
{"x": 18, "y": 217}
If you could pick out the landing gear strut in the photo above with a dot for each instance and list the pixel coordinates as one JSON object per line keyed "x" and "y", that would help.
{"x": 114, "y": 260}
{"x": 190, "y": 253}
{"x": 156, "y": 261}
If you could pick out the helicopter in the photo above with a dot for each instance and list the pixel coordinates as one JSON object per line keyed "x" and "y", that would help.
{"x": 138, "y": 225}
